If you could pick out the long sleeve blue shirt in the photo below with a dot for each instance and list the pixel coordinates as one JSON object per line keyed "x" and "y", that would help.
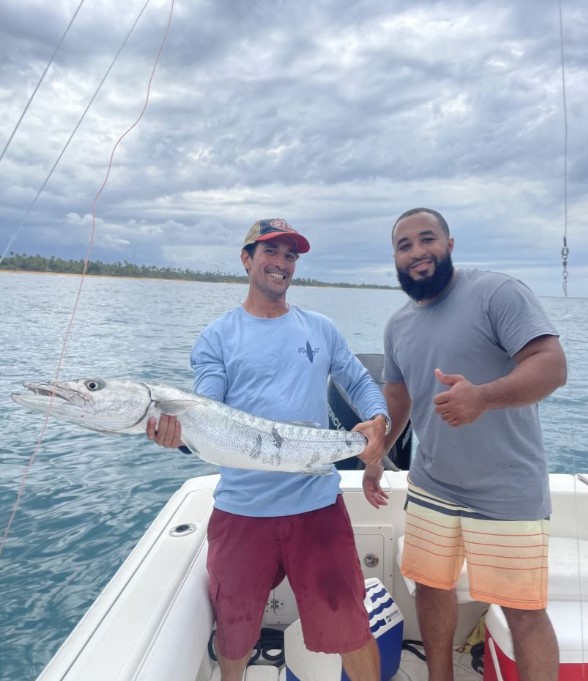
{"x": 278, "y": 369}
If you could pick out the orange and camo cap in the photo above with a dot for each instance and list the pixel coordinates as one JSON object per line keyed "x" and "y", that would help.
{"x": 271, "y": 228}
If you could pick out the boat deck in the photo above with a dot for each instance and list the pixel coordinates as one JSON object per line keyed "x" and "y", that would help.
{"x": 154, "y": 618}
{"x": 412, "y": 668}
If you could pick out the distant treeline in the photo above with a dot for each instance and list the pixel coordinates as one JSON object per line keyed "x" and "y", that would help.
{"x": 37, "y": 263}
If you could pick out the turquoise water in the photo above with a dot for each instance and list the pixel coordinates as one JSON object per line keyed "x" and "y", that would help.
{"x": 87, "y": 498}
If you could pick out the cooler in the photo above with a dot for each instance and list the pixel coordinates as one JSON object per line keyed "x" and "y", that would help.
{"x": 386, "y": 624}
{"x": 570, "y": 621}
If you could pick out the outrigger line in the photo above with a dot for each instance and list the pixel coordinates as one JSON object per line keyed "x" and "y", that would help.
{"x": 66, "y": 145}
{"x": 55, "y": 51}
{"x": 578, "y": 478}
{"x": 90, "y": 243}
{"x": 565, "y": 250}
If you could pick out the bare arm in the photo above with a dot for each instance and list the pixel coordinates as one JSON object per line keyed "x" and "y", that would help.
{"x": 540, "y": 369}
{"x": 399, "y": 405}
{"x": 372, "y": 456}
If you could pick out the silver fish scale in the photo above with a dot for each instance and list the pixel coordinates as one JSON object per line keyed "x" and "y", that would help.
{"x": 229, "y": 437}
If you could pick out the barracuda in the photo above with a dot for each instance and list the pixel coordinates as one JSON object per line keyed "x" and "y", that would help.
{"x": 214, "y": 431}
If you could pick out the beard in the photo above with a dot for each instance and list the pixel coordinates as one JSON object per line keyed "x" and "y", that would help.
{"x": 431, "y": 287}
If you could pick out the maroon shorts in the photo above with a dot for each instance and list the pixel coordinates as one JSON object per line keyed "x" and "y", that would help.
{"x": 248, "y": 557}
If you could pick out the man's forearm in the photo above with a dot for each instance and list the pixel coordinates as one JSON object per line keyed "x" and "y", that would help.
{"x": 399, "y": 406}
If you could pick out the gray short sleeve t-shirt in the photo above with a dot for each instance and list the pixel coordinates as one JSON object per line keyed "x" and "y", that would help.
{"x": 496, "y": 465}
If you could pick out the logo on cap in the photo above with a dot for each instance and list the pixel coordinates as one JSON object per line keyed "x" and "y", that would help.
{"x": 266, "y": 229}
{"x": 280, "y": 225}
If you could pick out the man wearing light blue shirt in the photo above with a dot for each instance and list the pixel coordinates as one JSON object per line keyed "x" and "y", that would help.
{"x": 274, "y": 360}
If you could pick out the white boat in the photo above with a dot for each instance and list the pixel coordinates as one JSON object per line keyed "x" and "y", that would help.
{"x": 153, "y": 621}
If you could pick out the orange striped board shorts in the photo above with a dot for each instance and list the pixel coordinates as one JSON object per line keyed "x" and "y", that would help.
{"x": 506, "y": 559}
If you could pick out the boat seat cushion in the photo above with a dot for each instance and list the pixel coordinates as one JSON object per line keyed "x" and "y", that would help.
{"x": 568, "y": 571}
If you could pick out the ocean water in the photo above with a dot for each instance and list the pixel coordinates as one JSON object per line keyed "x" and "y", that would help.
{"x": 85, "y": 499}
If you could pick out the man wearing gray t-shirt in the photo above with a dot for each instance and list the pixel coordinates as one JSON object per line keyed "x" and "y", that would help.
{"x": 468, "y": 358}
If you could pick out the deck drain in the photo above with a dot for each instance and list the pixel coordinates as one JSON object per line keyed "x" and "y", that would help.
{"x": 371, "y": 560}
{"x": 182, "y": 530}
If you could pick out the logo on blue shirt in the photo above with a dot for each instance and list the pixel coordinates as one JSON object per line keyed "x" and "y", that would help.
{"x": 309, "y": 351}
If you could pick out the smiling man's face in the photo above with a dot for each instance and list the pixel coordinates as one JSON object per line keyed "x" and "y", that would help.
{"x": 422, "y": 254}
{"x": 272, "y": 266}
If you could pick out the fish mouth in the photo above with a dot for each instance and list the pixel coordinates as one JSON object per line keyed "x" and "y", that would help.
{"x": 49, "y": 391}
{"x": 82, "y": 402}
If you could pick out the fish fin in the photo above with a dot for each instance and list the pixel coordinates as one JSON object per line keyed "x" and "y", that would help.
{"x": 175, "y": 407}
{"x": 327, "y": 469}
{"x": 190, "y": 445}
{"x": 306, "y": 424}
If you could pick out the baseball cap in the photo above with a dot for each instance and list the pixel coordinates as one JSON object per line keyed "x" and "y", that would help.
{"x": 271, "y": 228}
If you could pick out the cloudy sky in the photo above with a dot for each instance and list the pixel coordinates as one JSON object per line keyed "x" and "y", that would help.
{"x": 333, "y": 114}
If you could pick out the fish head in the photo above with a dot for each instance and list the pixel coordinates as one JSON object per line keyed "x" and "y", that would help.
{"x": 104, "y": 405}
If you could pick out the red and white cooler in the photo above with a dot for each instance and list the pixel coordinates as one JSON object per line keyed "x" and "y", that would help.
{"x": 570, "y": 621}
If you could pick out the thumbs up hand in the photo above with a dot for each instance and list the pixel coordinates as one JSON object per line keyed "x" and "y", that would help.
{"x": 461, "y": 403}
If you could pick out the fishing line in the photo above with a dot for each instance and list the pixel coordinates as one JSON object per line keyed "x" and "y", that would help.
{"x": 62, "y": 152}
{"x": 84, "y": 271}
{"x": 564, "y": 255}
{"x": 565, "y": 250}
{"x": 55, "y": 51}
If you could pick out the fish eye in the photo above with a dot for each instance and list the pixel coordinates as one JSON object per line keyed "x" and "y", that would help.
{"x": 94, "y": 384}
